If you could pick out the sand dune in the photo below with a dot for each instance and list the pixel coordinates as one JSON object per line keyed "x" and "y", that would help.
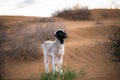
{"x": 84, "y": 47}
{"x": 105, "y": 14}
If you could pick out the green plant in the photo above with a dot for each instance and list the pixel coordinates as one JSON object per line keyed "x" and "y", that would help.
{"x": 68, "y": 74}
{"x": 49, "y": 76}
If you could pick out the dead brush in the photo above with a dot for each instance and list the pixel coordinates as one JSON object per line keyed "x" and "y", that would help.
{"x": 3, "y": 39}
{"x": 23, "y": 51}
{"x": 43, "y": 33}
{"x": 114, "y": 43}
{"x": 24, "y": 42}
{"x": 22, "y": 45}
{"x": 70, "y": 14}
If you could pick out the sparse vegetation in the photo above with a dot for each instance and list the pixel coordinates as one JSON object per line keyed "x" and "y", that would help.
{"x": 47, "y": 32}
{"x": 1, "y": 66}
{"x": 98, "y": 22}
{"x": 104, "y": 14}
{"x": 44, "y": 20}
{"x": 2, "y": 62}
{"x": 114, "y": 43}
{"x": 23, "y": 42}
{"x": 23, "y": 50}
{"x": 20, "y": 43}
{"x": 77, "y": 14}
{"x": 2, "y": 55}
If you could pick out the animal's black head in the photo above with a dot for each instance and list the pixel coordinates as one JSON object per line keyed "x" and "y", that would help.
{"x": 60, "y": 35}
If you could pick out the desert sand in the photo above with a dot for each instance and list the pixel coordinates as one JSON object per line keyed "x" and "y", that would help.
{"x": 84, "y": 47}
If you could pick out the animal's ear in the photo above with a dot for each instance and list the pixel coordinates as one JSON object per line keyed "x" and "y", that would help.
{"x": 56, "y": 35}
{"x": 65, "y": 35}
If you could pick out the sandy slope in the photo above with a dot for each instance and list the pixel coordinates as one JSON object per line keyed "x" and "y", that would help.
{"x": 84, "y": 47}
{"x": 105, "y": 14}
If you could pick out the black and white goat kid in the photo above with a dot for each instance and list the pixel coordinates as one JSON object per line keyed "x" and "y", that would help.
{"x": 54, "y": 51}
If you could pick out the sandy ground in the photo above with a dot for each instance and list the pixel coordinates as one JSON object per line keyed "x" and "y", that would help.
{"x": 84, "y": 47}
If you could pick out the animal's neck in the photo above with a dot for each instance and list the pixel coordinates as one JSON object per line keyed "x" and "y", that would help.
{"x": 60, "y": 41}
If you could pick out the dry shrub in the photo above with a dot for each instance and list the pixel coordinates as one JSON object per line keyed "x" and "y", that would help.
{"x": 3, "y": 35}
{"x": 2, "y": 63}
{"x": 23, "y": 42}
{"x": 70, "y": 14}
{"x": 47, "y": 20}
{"x": 104, "y": 14}
{"x": 3, "y": 38}
{"x": 98, "y": 22}
{"x": 43, "y": 33}
{"x": 2, "y": 60}
{"x": 23, "y": 50}
{"x": 44, "y": 20}
{"x": 114, "y": 43}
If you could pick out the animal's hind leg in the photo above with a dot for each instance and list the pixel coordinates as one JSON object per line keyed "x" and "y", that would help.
{"x": 59, "y": 64}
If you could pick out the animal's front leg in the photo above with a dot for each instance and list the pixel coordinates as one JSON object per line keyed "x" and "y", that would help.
{"x": 46, "y": 61}
{"x": 53, "y": 64}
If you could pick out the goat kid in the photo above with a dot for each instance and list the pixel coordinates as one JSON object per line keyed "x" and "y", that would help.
{"x": 54, "y": 51}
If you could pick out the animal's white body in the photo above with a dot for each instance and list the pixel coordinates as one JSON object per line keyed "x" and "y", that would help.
{"x": 53, "y": 52}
